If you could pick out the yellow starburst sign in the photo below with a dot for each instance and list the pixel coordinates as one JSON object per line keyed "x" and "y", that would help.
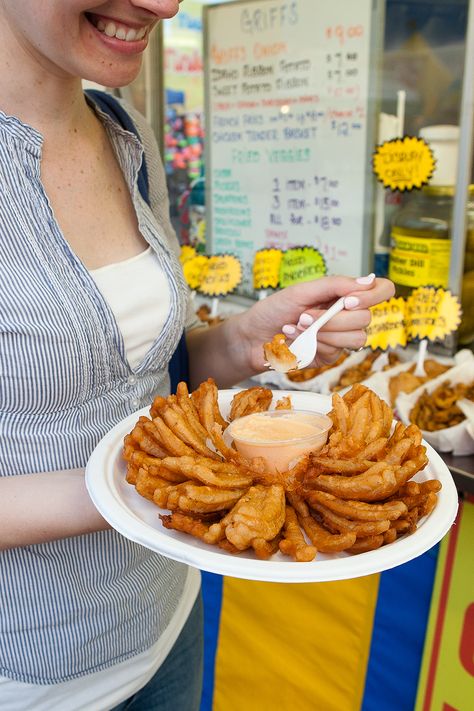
{"x": 299, "y": 264}
{"x": 222, "y": 276}
{"x": 432, "y": 313}
{"x": 194, "y": 270}
{"x": 187, "y": 253}
{"x": 266, "y": 268}
{"x": 387, "y": 327}
{"x": 404, "y": 163}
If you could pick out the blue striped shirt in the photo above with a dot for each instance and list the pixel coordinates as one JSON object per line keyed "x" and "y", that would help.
{"x": 80, "y": 604}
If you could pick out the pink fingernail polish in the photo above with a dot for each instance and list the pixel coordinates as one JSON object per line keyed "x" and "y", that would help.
{"x": 305, "y": 320}
{"x": 350, "y": 302}
{"x": 288, "y": 330}
{"x": 366, "y": 279}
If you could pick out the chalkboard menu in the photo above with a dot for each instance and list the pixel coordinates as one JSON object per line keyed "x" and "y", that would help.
{"x": 289, "y": 125}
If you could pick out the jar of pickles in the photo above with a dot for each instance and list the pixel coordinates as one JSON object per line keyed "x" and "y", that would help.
{"x": 420, "y": 240}
{"x": 421, "y": 249}
{"x": 466, "y": 329}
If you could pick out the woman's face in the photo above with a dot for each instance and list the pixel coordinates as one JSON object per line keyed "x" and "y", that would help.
{"x": 99, "y": 40}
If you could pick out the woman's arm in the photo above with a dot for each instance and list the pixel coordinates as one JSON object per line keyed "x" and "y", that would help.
{"x": 36, "y": 508}
{"x": 233, "y": 350}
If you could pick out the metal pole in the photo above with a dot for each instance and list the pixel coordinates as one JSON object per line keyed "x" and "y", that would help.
{"x": 154, "y": 78}
{"x": 464, "y": 170}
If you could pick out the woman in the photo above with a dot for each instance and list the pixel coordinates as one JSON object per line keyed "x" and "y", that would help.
{"x": 92, "y": 306}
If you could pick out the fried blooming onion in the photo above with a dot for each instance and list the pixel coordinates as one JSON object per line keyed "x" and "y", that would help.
{"x": 354, "y": 495}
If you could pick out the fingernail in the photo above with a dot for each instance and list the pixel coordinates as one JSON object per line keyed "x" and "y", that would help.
{"x": 305, "y": 320}
{"x": 366, "y": 279}
{"x": 350, "y": 302}
{"x": 288, "y": 330}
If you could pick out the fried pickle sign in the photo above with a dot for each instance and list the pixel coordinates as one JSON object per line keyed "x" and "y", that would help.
{"x": 266, "y": 269}
{"x": 300, "y": 264}
{"x": 403, "y": 163}
{"x": 222, "y": 275}
{"x": 432, "y": 313}
{"x": 387, "y": 327}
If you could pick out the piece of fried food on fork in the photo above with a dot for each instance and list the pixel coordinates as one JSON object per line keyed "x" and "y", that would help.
{"x": 278, "y": 355}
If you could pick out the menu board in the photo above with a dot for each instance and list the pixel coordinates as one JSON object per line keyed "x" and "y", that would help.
{"x": 290, "y": 128}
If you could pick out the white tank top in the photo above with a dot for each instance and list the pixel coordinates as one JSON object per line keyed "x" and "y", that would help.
{"x": 138, "y": 293}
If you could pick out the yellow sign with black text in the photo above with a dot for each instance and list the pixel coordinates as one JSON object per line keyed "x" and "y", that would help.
{"x": 427, "y": 313}
{"x": 194, "y": 270}
{"x": 387, "y": 327}
{"x": 300, "y": 264}
{"x": 222, "y": 276}
{"x": 403, "y": 163}
{"x": 432, "y": 313}
{"x": 266, "y": 269}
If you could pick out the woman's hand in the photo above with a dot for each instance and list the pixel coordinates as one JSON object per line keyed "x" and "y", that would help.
{"x": 293, "y": 309}
{"x": 233, "y": 350}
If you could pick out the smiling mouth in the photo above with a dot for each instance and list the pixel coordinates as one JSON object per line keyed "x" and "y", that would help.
{"x": 112, "y": 28}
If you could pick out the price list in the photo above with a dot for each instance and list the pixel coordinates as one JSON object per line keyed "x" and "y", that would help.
{"x": 287, "y": 129}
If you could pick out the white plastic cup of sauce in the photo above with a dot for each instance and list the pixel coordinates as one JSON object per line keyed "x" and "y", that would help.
{"x": 280, "y": 437}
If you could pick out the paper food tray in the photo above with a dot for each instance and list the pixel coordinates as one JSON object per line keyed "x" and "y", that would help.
{"x": 457, "y": 439}
{"x": 332, "y": 376}
{"x": 379, "y": 382}
{"x": 325, "y": 382}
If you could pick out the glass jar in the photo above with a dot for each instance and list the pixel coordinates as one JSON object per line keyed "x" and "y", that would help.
{"x": 421, "y": 240}
{"x": 466, "y": 329}
{"x": 421, "y": 248}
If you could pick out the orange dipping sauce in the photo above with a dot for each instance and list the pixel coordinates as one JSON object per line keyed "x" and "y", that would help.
{"x": 281, "y": 436}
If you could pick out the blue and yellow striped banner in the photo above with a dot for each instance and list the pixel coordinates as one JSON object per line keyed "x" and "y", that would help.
{"x": 351, "y": 645}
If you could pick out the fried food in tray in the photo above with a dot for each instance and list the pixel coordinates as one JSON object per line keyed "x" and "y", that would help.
{"x": 407, "y": 381}
{"x": 354, "y": 495}
{"x": 278, "y": 355}
{"x": 438, "y": 410}
{"x": 361, "y": 371}
{"x": 246, "y": 402}
{"x": 204, "y": 314}
{"x": 301, "y": 376}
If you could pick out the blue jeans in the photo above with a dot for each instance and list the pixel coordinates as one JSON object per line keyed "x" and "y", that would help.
{"x": 178, "y": 682}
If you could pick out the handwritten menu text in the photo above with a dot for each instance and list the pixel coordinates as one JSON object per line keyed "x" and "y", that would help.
{"x": 287, "y": 98}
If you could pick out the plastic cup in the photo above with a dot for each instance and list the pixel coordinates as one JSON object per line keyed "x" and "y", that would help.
{"x": 280, "y": 437}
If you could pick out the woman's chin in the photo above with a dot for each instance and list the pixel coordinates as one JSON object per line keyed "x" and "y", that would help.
{"x": 114, "y": 76}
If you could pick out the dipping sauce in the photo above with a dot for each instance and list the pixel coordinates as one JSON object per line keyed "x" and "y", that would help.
{"x": 281, "y": 436}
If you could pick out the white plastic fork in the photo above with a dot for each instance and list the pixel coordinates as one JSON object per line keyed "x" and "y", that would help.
{"x": 305, "y": 346}
{"x": 420, "y": 368}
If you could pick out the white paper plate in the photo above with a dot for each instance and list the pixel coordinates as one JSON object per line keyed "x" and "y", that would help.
{"x": 137, "y": 518}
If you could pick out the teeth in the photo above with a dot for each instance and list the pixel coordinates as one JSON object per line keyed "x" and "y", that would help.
{"x": 110, "y": 29}
{"x": 122, "y": 32}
